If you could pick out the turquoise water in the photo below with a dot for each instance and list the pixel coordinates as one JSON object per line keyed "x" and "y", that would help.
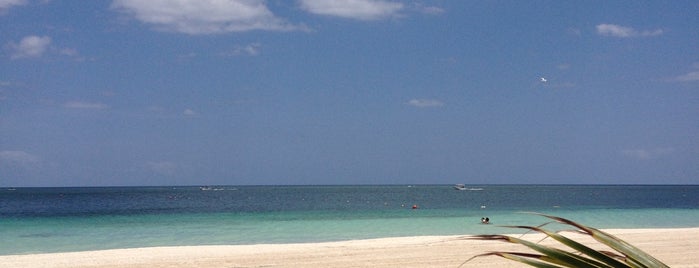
{"x": 34, "y": 220}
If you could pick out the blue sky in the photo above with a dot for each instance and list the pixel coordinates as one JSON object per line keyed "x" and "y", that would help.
{"x": 199, "y": 92}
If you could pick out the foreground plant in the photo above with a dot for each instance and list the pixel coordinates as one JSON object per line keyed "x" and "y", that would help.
{"x": 577, "y": 255}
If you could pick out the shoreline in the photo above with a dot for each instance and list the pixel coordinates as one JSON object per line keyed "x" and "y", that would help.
{"x": 674, "y": 246}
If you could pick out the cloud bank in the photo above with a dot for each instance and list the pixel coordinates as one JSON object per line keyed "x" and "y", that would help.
{"x": 224, "y": 16}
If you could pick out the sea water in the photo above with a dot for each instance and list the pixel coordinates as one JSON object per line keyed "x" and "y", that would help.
{"x": 40, "y": 220}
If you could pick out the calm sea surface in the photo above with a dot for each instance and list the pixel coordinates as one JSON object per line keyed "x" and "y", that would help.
{"x": 34, "y": 220}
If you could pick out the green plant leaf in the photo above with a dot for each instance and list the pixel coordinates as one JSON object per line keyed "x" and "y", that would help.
{"x": 626, "y": 255}
{"x": 603, "y": 260}
{"x": 615, "y": 243}
{"x": 527, "y": 258}
{"x": 557, "y": 256}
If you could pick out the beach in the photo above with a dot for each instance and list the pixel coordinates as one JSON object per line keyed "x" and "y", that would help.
{"x": 676, "y": 247}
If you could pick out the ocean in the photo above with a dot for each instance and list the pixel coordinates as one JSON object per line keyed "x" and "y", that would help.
{"x": 44, "y": 220}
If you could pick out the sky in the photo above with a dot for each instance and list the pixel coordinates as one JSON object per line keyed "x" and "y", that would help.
{"x": 297, "y": 92}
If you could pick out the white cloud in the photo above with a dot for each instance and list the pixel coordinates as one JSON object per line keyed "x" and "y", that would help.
{"x": 624, "y": 32}
{"x": 425, "y": 103}
{"x": 20, "y": 158}
{"x": 85, "y": 105}
{"x": 189, "y": 112}
{"x": 204, "y": 16}
{"x": 353, "y": 9}
{"x": 7, "y": 4}
{"x": 29, "y": 47}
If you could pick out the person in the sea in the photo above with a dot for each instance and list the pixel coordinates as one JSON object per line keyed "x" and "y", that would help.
{"x": 485, "y": 220}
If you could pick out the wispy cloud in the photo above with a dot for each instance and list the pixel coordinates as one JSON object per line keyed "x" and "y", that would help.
{"x": 614, "y": 30}
{"x": 429, "y": 10}
{"x": 6, "y": 89}
{"x": 7, "y": 4}
{"x": 646, "y": 154}
{"x": 425, "y": 103}
{"x": 246, "y": 50}
{"x": 18, "y": 158}
{"x": 637, "y": 153}
{"x": 70, "y": 52}
{"x": 691, "y": 76}
{"x": 353, "y": 9}
{"x": 574, "y": 32}
{"x": 189, "y": 112}
{"x": 29, "y": 47}
{"x": 204, "y": 16}
{"x": 85, "y": 105}
{"x": 688, "y": 77}
{"x": 34, "y": 46}
{"x": 3, "y": 92}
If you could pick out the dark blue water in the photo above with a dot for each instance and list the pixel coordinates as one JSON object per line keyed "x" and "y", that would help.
{"x": 70, "y": 219}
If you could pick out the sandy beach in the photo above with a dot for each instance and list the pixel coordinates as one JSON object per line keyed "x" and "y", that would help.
{"x": 675, "y": 247}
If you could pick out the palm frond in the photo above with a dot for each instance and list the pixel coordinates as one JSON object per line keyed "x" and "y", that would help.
{"x": 631, "y": 252}
{"x": 625, "y": 255}
{"x": 536, "y": 260}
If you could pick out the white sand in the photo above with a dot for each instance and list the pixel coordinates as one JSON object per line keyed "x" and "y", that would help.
{"x": 675, "y": 247}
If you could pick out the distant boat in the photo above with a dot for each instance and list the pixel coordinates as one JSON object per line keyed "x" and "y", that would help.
{"x": 209, "y": 188}
{"x": 462, "y": 187}
{"x": 205, "y": 188}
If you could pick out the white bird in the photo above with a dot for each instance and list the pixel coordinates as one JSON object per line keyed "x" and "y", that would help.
{"x": 543, "y": 80}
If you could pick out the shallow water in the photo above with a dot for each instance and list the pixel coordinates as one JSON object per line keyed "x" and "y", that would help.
{"x": 36, "y": 220}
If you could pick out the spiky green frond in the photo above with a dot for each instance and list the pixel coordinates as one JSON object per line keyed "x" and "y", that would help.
{"x": 626, "y": 255}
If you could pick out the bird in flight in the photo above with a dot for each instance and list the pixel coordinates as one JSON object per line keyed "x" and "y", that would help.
{"x": 543, "y": 80}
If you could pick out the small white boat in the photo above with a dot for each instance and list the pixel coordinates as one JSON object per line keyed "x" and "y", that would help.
{"x": 209, "y": 188}
{"x": 462, "y": 187}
